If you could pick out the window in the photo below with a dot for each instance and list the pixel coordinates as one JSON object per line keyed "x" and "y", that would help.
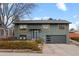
{"x": 61, "y": 26}
{"x": 23, "y": 37}
{"x": 45, "y": 26}
{"x": 23, "y": 26}
{"x": 23, "y": 30}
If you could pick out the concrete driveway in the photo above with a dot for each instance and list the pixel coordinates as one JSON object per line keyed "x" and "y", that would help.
{"x": 61, "y": 49}
{"x": 50, "y": 50}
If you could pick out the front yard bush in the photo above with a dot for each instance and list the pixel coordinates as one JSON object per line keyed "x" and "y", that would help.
{"x": 39, "y": 41}
{"x": 33, "y": 45}
{"x": 7, "y": 38}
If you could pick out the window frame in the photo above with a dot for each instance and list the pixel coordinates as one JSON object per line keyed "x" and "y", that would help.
{"x": 61, "y": 26}
{"x": 23, "y": 26}
{"x": 45, "y": 26}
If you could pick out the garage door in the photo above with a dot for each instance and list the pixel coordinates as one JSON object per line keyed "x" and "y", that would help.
{"x": 55, "y": 39}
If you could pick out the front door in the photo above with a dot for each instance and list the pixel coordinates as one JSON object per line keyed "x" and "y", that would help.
{"x": 35, "y": 33}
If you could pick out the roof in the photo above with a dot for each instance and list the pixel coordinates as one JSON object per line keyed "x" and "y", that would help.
{"x": 41, "y": 21}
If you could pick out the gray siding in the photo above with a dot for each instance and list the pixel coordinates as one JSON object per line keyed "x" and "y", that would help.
{"x": 53, "y": 29}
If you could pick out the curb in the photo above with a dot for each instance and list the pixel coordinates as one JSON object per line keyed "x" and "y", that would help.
{"x": 19, "y": 50}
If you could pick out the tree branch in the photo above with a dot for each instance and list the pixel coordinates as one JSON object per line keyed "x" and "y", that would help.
{"x": 9, "y": 11}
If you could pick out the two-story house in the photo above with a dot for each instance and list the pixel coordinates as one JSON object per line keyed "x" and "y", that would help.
{"x": 51, "y": 31}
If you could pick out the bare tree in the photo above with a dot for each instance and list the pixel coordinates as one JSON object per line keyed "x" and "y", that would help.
{"x": 72, "y": 30}
{"x": 10, "y": 11}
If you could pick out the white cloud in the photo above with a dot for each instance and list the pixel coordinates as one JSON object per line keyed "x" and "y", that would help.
{"x": 61, "y": 6}
{"x": 36, "y": 18}
{"x": 77, "y": 23}
{"x": 74, "y": 25}
{"x": 46, "y": 18}
{"x": 40, "y": 18}
{"x": 75, "y": 16}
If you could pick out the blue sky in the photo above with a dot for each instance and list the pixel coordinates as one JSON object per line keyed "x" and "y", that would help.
{"x": 64, "y": 11}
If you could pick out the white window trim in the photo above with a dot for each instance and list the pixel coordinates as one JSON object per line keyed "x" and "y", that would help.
{"x": 23, "y": 26}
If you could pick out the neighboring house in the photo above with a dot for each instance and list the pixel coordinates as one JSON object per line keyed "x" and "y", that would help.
{"x": 73, "y": 35}
{"x": 77, "y": 31}
{"x": 51, "y": 31}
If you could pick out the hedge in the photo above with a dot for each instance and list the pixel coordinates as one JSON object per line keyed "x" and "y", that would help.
{"x": 39, "y": 41}
{"x": 33, "y": 45}
{"x": 76, "y": 39}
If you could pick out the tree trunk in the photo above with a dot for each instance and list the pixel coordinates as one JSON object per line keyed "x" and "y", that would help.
{"x": 5, "y": 33}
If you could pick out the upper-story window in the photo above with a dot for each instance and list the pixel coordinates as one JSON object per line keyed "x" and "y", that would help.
{"x": 23, "y": 26}
{"x": 61, "y": 26}
{"x": 45, "y": 26}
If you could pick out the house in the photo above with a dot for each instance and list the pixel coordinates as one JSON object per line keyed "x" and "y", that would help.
{"x": 51, "y": 31}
